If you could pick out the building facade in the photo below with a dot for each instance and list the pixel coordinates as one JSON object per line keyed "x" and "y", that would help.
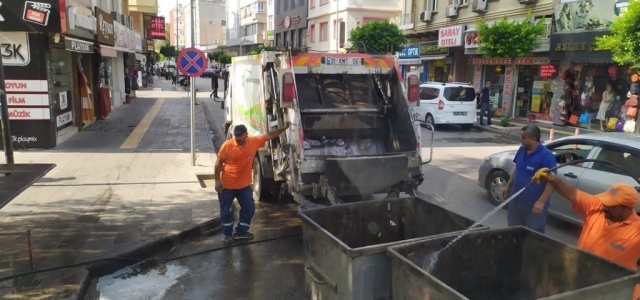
{"x": 247, "y": 25}
{"x": 211, "y": 24}
{"x": 177, "y": 23}
{"x": 330, "y": 21}
{"x": 290, "y": 27}
{"x": 443, "y": 34}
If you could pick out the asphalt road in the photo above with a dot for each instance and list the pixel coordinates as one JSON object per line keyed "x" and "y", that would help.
{"x": 274, "y": 269}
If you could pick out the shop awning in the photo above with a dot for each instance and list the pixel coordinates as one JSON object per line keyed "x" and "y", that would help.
{"x": 76, "y": 45}
{"x": 108, "y": 51}
{"x": 435, "y": 57}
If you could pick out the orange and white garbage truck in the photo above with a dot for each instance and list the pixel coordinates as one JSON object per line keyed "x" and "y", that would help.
{"x": 353, "y": 132}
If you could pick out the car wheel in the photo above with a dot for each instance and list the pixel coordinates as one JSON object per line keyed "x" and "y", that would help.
{"x": 496, "y": 181}
{"x": 429, "y": 119}
{"x": 467, "y": 127}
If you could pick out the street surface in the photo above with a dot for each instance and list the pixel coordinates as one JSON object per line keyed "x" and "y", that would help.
{"x": 274, "y": 268}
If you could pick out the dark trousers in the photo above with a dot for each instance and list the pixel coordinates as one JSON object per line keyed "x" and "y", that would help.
{"x": 485, "y": 107}
{"x": 247, "y": 209}
{"x": 522, "y": 215}
{"x": 214, "y": 93}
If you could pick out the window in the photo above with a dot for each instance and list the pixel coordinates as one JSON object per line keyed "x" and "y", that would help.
{"x": 223, "y": 23}
{"x": 312, "y": 3}
{"x": 257, "y": 7}
{"x": 432, "y": 5}
{"x": 460, "y": 2}
{"x": 293, "y": 4}
{"x": 324, "y": 32}
{"x": 618, "y": 156}
{"x": 312, "y": 34}
{"x": 569, "y": 152}
{"x": 270, "y": 2}
{"x": 427, "y": 93}
{"x": 270, "y": 22}
{"x": 467, "y": 94}
{"x": 210, "y": 22}
{"x": 324, "y": 2}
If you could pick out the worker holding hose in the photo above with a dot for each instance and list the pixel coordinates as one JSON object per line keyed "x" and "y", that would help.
{"x": 611, "y": 226}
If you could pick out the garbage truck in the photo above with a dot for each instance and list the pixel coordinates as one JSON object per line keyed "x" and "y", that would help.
{"x": 353, "y": 132}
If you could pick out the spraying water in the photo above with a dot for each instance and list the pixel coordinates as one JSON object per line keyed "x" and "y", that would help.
{"x": 433, "y": 258}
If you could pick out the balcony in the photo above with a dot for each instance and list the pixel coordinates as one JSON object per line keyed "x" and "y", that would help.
{"x": 404, "y": 22}
{"x": 246, "y": 40}
{"x": 144, "y": 6}
{"x": 253, "y": 18}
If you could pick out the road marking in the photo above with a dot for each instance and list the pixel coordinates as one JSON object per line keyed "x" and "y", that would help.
{"x": 135, "y": 137}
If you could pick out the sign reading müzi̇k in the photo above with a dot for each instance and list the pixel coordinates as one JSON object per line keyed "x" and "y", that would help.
{"x": 27, "y": 90}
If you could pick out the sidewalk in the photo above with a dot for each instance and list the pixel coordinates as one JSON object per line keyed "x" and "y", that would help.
{"x": 514, "y": 131}
{"x": 123, "y": 183}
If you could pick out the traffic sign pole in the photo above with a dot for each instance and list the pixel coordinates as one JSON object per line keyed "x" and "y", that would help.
{"x": 193, "y": 88}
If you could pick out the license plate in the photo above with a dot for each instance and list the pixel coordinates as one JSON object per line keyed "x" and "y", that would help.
{"x": 340, "y": 61}
{"x": 460, "y": 113}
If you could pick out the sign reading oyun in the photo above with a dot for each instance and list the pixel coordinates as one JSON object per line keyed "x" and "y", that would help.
{"x": 450, "y": 36}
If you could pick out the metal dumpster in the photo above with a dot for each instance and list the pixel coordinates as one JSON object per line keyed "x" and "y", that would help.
{"x": 345, "y": 246}
{"x": 513, "y": 263}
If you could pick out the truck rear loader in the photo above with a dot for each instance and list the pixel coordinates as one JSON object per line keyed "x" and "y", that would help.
{"x": 353, "y": 132}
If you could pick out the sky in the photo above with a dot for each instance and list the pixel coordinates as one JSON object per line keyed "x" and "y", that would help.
{"x": 164, "y": 6}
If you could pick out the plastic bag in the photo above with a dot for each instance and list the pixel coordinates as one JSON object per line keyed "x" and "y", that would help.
{"x": 584, "y": 118}
{"x": 629, "y": 126}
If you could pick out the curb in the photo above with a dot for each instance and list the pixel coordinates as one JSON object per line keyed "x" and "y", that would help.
{"x": 512, "y": 134}
{"x": 210, "y": 227}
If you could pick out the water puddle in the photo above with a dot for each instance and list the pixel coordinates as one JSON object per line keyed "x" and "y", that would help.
{"x": 140, "y": 282}
{"x": 432, "y": 260}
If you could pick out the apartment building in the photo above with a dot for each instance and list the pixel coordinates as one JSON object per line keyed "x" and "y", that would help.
{"x": 177, "y": 23}
{"x": 247, "y": 25}
{"x": 291, "y": 23}
{"x": 269, "y": 33}
{"x": 330, "y": 21}
{"x": 210, "y": 28}
{"x": 141, "y": 12}
{"x": 444, "y": 46}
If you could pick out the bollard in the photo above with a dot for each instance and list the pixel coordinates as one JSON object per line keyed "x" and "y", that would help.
{"x": 552, "y": 132}
{"x": 30, "y": 248}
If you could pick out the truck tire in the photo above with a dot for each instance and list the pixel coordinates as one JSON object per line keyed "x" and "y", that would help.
{"x": 262, "y": 187}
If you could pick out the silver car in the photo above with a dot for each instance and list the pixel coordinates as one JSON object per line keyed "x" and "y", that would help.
{"x": 621, "y": 149}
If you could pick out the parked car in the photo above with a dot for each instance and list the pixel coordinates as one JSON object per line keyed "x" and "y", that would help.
{"x": 451, "y": 103}
{"x": 207, "y": 73}
{"x": 621, "y": 149}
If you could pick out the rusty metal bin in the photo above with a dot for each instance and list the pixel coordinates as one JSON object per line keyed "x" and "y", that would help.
{"x": 513, "y": 263}
{"x": 345, "y": 246}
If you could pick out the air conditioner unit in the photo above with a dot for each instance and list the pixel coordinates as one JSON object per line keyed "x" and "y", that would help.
{"x": 425, "y": 16}
{"x": 451, "y": 11}
{"x": 480, "y": 6}
{"x": 114, "y": 15}
{"x": 527, "y": 1}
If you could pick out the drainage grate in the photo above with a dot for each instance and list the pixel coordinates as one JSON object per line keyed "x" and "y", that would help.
{"x": 206, "y": 180}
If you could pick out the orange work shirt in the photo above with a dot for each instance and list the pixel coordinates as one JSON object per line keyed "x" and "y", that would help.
{"x": 618, "y": 242}
{"x": 238, "y": 161}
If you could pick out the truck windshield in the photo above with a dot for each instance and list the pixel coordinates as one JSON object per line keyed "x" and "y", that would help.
{"x": 460, "y": 93}
{"x": 337, "y": 91}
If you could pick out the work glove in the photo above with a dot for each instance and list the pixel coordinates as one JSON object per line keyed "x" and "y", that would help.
{"x": 218, "y": 186}
{"x": 543, "y": 174}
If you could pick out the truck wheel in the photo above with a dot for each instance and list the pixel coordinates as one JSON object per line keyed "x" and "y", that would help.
{"x": 262, "y": 187}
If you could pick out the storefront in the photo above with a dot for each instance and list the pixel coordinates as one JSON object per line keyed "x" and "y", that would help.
{"x": 451, "y": 68}
{"x": 125, "y": 44}
{"x": 409, "y": 60}
{"x": 29, "y": 86}
{"x": 587, "y": 71}
{"x": 436, "y": 62}
{"x": 107, "y": 60}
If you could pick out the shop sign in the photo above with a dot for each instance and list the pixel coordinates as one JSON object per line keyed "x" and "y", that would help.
{"x": 157, "y": 30}
{"x": 78, "y": 46}
{"x": 31, "y": 86}
{"x": 471, "y": 40}
{"x": 508, "y": 86}
{"x": 409, "y": 61}
{"x": 42, "y": 16}
{"x": 587, "y": 15}
{"x": 81, "y": 17}
{"x": 506, "y": 61}
{"x": 621, "y": 7}
{"x": 547, "y": 70}
{"x": 477, "y": 77}
{"x": 125, "y": 38}
{"x": 578, "y": 47}
{"x": 491, "y": 61}
{"x": 27, "y": 99}
{"x": 431, "y": 48}
{"x": 409, "y": 51}
{"x": 138, "y": 39}
{"x": 532, "y": 61}
{"x": 450, "y": 36}
{"x": 39, "y": 113}
{"x": 64, "y": 100}
{"x": 64, "y": 119}
{"x": 15, "y": 48}
{"x": 105, "y": 28}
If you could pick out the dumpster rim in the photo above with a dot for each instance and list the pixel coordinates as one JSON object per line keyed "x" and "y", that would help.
{"x": 371, "y": 249}
{"x": 395, "y": 255}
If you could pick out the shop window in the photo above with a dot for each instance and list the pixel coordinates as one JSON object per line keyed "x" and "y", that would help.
{"x": 495, "y": 74}
{"x": 536, "y": 88}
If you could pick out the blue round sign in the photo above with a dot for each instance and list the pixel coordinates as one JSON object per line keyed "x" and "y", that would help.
{"x": 192, "y": 62}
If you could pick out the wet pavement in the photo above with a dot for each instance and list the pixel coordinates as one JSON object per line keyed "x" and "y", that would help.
{"x": 269, "y": 267}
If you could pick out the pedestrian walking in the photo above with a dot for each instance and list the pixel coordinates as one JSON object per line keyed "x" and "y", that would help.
{"x": 531, "y": 207}
{"x": 175, "y": 76}
{"x": 485, "y": 103}
{"x": 233, "y": 179}
{"x": 214, "y": 84}
{"x": 611, "y": 226}
{"x": 226, "y": 81}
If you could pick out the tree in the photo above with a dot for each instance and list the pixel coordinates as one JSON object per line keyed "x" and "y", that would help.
{"x": 159, "y": 57}
{"x": 380, "y": 36}
{"x": 510, "y": 39}
{"x": 168, "y": 50}
{"x": 623, "y": 40}
{"x": 224, "y": 59}
{"x": 258, "y": 49}
{"x": 213, "y": 55}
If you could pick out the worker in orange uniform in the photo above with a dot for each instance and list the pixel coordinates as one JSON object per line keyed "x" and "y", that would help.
{"x": 611, "y": 226}
{"x": 233, "y": 179}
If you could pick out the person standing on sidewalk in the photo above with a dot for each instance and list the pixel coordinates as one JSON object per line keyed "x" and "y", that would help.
{"x": 233, "y": 179}
{"x": 214, "y": 84}
{"x": 611, "y": 227}
{"x": 485, "y": 103}
{"x": 531, "y": 207}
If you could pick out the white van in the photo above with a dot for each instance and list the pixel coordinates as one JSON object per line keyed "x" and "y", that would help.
{"x": 448, "y": 103}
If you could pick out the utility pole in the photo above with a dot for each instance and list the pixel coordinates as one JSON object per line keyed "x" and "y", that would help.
{"x": 192, "y": 85}
{"x": 337, "y": 27}
{"x": 4, "y": 115}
